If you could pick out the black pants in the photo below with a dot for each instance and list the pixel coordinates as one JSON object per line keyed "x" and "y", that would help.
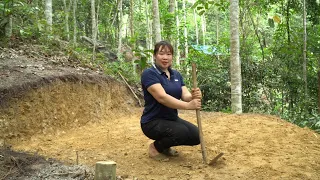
{"x": 168, "y": 133}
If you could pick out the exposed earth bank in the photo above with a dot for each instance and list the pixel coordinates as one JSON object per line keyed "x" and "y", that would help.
{"x": 60, "y": 115}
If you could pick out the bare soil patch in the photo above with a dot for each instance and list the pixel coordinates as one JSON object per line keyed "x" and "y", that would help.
{"x": 84, "y": 113}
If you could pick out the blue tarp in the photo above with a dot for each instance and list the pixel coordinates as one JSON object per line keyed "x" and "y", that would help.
{"x": 207, "y": 49}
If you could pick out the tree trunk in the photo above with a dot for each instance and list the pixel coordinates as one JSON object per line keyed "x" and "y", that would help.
{"x": 172, "y": 6}
{"x": 97, "y": 21}
{"x": 318, "y": 83}
{"x": 305, "y": 49}
{"x": 172, "y": 20}
{"x": 203, "y": 25}
{"x": 319, "y": 89}
{"x": 217, "y": 27}
{"x": 156, "y": 21}
{"x": 48, "y": 15}
{"x": 257, "y": 34}
{"x": 149, "y": 30}
{"x": 74, "y": 23}
{"x": 134, "y": 65}
{"x": 185, "y": 32}
{"x": 37, "y": 15}
{"x": 288, "y": 20}
{"x": 8, "y": 28}
{"x": 120, "y": 28}
{"x": 131, "y": 19}
{"x": 66, "y": 11}
{"x": 196, "y": 23}
{"x": 178, "y": 35}
{"x": 235, "y": 65}
{"x": 217, "y": 32}
{"x": 94, "y": 25}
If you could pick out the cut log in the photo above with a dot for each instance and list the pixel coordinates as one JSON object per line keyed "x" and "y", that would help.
{"x": 105, "y": 170}
{"x": 90, "y": 41}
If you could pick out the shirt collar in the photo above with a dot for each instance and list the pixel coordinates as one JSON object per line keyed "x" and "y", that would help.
{"x": 159, "y": 71}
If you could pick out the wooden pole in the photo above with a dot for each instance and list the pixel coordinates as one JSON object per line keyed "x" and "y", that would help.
{"x": 203, "y": 149}
{"x": 105, "y": 170}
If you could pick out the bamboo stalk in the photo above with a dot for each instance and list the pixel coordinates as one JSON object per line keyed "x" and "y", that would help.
{"x": 203, "y": 149}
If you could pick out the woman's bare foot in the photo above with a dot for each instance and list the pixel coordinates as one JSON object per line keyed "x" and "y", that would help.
{"x": 152, "y": 150}
{"x": 154, "y": 154}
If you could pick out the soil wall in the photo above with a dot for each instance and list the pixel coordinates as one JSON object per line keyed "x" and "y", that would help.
{"x": 62, "y": 104}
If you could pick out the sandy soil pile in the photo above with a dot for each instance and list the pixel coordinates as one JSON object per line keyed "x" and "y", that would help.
{"x": 255, "y": 146}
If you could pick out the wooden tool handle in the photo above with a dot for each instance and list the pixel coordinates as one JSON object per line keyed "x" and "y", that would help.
{"x": 194, "y": 75}
{"x": 203, "y": 149}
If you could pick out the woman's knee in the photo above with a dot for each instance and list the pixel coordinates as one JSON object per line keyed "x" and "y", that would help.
{"x": 194, "y": 139}
{"x": 186, "y": 137}
{"x": 180, "y": 135}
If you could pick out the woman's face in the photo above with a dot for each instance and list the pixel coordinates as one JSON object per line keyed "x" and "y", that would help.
{"x": 163, "y": 58}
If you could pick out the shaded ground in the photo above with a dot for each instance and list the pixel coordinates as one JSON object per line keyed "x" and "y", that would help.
{"x": 19, "y": 166}
{"x": 90, "y": 117}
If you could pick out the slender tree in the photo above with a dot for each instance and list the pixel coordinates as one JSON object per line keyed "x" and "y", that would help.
{"x": 120, "y": 15}
{"x": 217, "y": 26}
{"x": 9, "y": 26}
{"x": 196, "y": 23}
{"x": 94, "y": 26}
{"x": 235, "y": 65}
{"x": 97, "y": 20}
{"x": 149, "y": 28}
{"x": 36, "y": 3}
{"x": 185, "y": 32}
{"x": 257, "y": 34}
{"x": 305, "y": 49}
{"x": 156, "y": 21}
{"x": 217, "y": 30}
{"x": 74, "y": 22}
{"x": 172, "y": 20}
{"x": 178, "y": 35}
{"x": 66, "y": 11}
{"x": 319, "y": 85}
{"x": 132, "y": 19}
{"x": 134, "y": 65}
{"x": 203, "y": 25}
{"x": 48, "y": 14}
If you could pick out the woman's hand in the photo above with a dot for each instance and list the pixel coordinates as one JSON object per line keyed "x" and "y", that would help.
{"x": 194, "y": 104}
{"x": 196, "y": 93}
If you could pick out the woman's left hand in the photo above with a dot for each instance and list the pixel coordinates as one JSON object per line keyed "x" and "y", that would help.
{"x": 196, "y": 93}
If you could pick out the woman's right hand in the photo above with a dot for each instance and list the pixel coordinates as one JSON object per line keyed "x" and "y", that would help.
{"x": 194, "y": 104}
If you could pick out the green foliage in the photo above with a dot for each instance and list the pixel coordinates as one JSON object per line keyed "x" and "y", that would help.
{"x": 203, "y": 6}
{"x": 143, "y": 56}
{"x": 304, "y": 119}
{"x": 169, "y": 22}
{"x": 213, "y": 79}
{"x": 313, "y": 10}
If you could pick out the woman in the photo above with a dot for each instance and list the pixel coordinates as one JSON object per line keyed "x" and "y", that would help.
{"x": 164, "y": 93}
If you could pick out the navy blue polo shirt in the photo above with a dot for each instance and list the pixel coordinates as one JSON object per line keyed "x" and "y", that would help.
{"x": 152, "y": 108}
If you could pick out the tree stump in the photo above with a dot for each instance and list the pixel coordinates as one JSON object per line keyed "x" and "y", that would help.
{"x": 105, "y": 170}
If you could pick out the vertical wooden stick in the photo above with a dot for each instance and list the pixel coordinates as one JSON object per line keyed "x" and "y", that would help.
{"x": 203, "y": 149}
{"x": 77, "y": 158}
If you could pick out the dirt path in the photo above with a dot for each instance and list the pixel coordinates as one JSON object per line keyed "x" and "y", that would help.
{"x": 255, "y": 147}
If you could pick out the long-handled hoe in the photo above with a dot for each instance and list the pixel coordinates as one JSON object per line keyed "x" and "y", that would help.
{"x": 203, "y": 148}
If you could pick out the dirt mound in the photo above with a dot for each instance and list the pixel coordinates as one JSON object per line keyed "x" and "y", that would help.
{"x": 255, "y": 146}
{"x": 40, "y": 97}
{"x": 75, "y": 116}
